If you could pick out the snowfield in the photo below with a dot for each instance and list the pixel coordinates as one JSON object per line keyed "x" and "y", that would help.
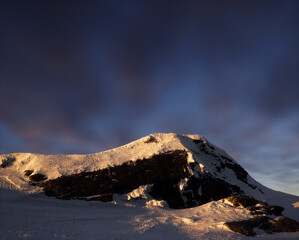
{"x": 27, "y": 213}
{"x": 40, "y": 217}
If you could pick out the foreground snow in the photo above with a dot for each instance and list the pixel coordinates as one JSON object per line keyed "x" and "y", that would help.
{"x": 40, "y": 217}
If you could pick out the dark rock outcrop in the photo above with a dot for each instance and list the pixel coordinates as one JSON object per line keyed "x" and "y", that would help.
{"x": 279, "y": 224}
{"x": 207, "y": 188}
{"x": 263, "y": 217}
{"x": 38, "y": 177}
{"x": 27, "y": 173}
{"x": 246, "y": 227}
{"x": 282, "y": 224}
{"x": 198, "y": 191}
{"x": 255, "y": 206}
{"x": 169, "y": 192}
{"x": 151, "y": 139}
{"x": 34, "y": 179}
{"x": 7, "y": 161}
{"x": 166, "y": 167}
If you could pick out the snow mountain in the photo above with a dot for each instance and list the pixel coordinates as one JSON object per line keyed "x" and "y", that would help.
{"x": 161, "y": 171}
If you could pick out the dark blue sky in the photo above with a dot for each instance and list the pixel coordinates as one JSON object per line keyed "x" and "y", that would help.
{"x": 80, "y": 77}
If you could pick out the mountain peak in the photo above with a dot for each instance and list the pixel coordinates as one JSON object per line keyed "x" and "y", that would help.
{"x": 159, "y": 170}
{"x": 189, "y": 162}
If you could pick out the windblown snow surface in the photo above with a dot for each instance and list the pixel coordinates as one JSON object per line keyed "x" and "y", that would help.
{"x": 27, "y": 213}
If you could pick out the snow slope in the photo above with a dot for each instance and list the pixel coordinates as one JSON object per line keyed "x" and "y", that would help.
{"x": 26, "y": 213}
{"x": 40, "y": 217}
{"x": 54, "y": 166}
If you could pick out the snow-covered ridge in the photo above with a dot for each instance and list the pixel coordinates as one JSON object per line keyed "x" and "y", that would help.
{"x": 203, "y": 157}
{"x": 53, "y": 166}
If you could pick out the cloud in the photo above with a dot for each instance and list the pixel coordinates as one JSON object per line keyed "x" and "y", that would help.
{"x": 84, "y": 77}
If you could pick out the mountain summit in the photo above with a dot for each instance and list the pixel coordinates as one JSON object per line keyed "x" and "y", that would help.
{"x": 184, "y": 170}
{"x": 166, "y": 170}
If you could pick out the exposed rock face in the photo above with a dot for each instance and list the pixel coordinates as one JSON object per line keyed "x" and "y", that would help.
{"x": 6, "y": 161}
{"x": 167, "y": 167}
{"x": 27, "y": 173}
{"x": 198, "y": 191}
{"x": 263, "y": 217}
{"x": 35, "y": 178}
{"x": 255, "y": 206}
{"x": 207, "y": 187}
{"x": 283, "y": 224}
{"x": 269, "y": 225}
{"x": 246, "y": 227}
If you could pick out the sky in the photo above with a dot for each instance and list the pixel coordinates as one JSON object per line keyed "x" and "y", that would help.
{"x": 86, "y": 76}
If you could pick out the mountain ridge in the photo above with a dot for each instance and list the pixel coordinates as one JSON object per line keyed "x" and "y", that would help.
{"x": 199, "y": 153}
{"x": 167, "y": 171}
